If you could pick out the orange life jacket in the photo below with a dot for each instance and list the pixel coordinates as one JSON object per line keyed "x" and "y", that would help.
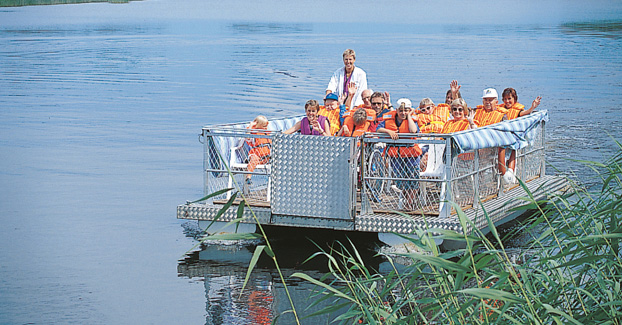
{"x": 349, "y": 122}
{"x": 259, "y": 146}
{"x": 455, "y": 126}
{"x": 515, "y": 110}
{"x": 430, "y": 123}
{"x": 333, "y": 118}
{"x": 396, "y": 150}
{"x": 443, "y": 111}
{"x": 485, "y": 117}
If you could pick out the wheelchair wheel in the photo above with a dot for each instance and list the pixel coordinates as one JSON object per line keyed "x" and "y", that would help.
{"x": 376, "y": 168}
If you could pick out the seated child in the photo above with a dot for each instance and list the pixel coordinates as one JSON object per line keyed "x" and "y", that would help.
{"x": 334, "y": 109}
{"x": 259, "y": 152}
{"x": 357, "y": 123}
{"x": 428, "y": 119}
{"x": 312, "y": 124}
{"x": 515, "y": 109}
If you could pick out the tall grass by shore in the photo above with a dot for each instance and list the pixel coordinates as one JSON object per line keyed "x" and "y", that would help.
{"x": 569, "y": 272}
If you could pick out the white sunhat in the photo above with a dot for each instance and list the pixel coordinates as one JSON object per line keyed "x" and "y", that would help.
{"x": 490, "y": 93}
{"x": 406, "y": 102}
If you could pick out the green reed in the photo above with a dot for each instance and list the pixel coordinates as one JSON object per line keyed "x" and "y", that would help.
{"x": 259, "y": 250}
{"x": 569, "y": 272}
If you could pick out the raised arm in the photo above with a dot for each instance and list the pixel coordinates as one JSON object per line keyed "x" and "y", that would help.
{"x": 534, "y": 105}
{"x": 470, "y": 118}
{"x": 387, "y": 99}
{"x": 455, "y": 88}
{"x": 352, "y": 88}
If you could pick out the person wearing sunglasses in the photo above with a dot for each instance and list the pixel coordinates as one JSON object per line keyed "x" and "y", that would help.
{"x": 463, "y": 117}
{"x": 366, "y": 97}
{"x": 444, "y": 109}
{"x": 378, "y": 104}
{"x": 428, "y": 119}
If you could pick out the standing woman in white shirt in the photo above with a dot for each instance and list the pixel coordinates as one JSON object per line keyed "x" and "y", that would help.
{"x": 344, "y": 76}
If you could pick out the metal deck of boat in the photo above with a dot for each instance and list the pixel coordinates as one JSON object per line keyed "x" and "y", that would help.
{"x": 497, "y": 208}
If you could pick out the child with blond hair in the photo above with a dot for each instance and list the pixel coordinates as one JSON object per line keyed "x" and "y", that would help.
{"x": 259, "y": 152}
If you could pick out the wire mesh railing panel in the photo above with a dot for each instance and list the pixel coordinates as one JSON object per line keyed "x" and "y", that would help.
{"x": 239, "y": 159}
{"x": 488, "y": 172}
{"x": 530, "y": 159}
{"x": 395, "y": 178}
{"x": 463, "y": 179}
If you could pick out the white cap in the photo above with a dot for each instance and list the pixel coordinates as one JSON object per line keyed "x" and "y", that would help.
{"x": 406, "y": 102}
{"x": 490, "y": 93}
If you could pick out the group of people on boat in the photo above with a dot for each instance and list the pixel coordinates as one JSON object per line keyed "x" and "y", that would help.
{"x": 352, "y": 109}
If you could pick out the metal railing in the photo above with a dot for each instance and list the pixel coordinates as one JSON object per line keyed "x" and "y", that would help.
{"x": 439, "y": 175}
{"x": 229, "y": 156}
{"x": 391, "y": 175}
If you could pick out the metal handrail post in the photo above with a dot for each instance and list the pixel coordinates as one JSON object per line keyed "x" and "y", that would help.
{"x": 476, "y": 179}
{"x": 445, "y": 212}
{"x": 543, "y": 145}
{"x": 365, "y": 205}
{"x": 205, "y": 162}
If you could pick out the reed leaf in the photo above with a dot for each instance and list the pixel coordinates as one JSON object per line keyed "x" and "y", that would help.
{"x": 438, "y": 261}
{"x": 209, "y": 196}
{"x": 251, "y": 265}
{"x": 486, "y": 293}
{"x": 323, "y": 285}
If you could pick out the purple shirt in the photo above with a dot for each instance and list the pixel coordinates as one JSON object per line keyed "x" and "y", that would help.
{"x": 306, "y": 129}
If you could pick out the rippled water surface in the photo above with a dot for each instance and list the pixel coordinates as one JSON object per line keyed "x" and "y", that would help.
{"x": 101, "y": 104}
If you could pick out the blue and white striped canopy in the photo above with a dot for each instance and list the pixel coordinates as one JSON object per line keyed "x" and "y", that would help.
{"x": 514, "y": 134}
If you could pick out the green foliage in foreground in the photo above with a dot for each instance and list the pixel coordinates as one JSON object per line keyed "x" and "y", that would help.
{"x": 571, "y": 272}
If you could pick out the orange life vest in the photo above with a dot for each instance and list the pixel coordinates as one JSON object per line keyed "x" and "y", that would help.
{"x": 349, "y": 122}
{"x": 395, "y": 150}
{"x": 443, "y": 111}
{"x": 430, "y": 123}
{"x": 259, "y": 146}
{"x": 515, "y": 110}
{"x": 485, "y": 117}
{"x": 455, "y": 126}
{"x": 333, "y": 118}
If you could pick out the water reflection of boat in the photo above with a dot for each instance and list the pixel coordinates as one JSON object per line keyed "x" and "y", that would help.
{"x": 354, "y": 183}
{"x": 223, "y": 270}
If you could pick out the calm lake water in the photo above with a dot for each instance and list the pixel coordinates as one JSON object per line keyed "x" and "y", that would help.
{"x": 101, "y": 104}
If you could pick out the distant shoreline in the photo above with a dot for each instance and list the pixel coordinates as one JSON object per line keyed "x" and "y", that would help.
{"x": 22, "y": 3}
